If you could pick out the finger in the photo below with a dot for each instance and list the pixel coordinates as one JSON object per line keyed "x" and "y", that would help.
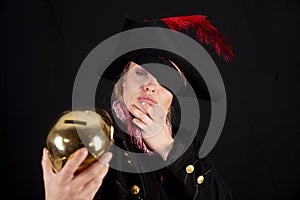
{"x": 140, "y": 115}
{"x": 71, "y": 166}
{"x": 93, "y": 170}
{"x": 158, "y": 113}
{"x": 46, "y": 165}
{"x": 140, "y": 107}
{"x": 93, "y": 185}
{"x": 106, "y": 158}
{"x": 155, "y": 112}
{"x": 144, "y": 107}
{"x": 139, "y": 123}
{"x": 148, "y": 130}
{"x": 96, "y": 182}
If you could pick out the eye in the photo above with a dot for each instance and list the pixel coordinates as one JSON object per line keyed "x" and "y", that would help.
{"x": 141, "y": 72}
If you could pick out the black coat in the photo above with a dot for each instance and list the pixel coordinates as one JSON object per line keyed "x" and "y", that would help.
{"x": 202, "y": 182}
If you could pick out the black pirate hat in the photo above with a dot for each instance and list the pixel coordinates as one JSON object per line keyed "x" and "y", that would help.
{"x": 201, "y": 31}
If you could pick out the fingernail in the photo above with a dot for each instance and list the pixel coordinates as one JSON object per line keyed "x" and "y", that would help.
{"x": 106, "y": 157}
{"x": 83, "y": 151}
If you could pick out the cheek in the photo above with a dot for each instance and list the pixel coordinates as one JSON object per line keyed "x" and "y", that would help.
{"x": 166, "y": 99}
{"x": 129, "y": 94}
{"x": 126, "y": 96}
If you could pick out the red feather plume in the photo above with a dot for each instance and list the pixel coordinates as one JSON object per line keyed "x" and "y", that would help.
{"x": 206, "y": 33}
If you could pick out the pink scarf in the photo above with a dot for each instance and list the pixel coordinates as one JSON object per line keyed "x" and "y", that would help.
{"x": 134, "y": 131}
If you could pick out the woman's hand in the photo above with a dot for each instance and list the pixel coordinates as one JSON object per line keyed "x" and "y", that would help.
{"x": 64, "y": 185}
{"x": 152, "y": 120}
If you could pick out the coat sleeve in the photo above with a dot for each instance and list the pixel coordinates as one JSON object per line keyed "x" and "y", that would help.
{"x": 196, "y": 178}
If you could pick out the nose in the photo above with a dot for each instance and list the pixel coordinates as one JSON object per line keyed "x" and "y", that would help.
{"x": 149, "y": 87}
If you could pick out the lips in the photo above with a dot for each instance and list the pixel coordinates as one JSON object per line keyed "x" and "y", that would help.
{"x": 147, "y": 99}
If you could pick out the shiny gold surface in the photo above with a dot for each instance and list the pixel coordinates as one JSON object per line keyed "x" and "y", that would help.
{"x": 76, "y": 129}
{"x": 135, "y": 189}
{"x": 200, "y": 179}
{"x": 190, "y": 169}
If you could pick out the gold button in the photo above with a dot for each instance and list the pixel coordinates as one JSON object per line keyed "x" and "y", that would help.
{"x": 189, "y": 169}
{"x": 200, "y": 179}
{"x": 135, "y": 189}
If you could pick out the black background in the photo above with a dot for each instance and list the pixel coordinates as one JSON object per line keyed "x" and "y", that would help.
{"x": 44, "y": 42}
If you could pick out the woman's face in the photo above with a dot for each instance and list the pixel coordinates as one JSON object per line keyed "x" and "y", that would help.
{"x": 139, "y": 86}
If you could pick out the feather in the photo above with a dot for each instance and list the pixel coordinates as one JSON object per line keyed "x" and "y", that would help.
{"x": 205, "y": 32}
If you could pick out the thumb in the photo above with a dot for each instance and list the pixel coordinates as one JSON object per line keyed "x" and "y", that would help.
{"x": 46, "y": 164}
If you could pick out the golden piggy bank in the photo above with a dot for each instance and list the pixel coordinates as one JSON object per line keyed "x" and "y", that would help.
{"x": 76, "y": 129}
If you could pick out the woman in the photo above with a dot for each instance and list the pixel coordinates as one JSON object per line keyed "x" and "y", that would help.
{"x": 139, "y": 92}
{"x": 144, "y": 124}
